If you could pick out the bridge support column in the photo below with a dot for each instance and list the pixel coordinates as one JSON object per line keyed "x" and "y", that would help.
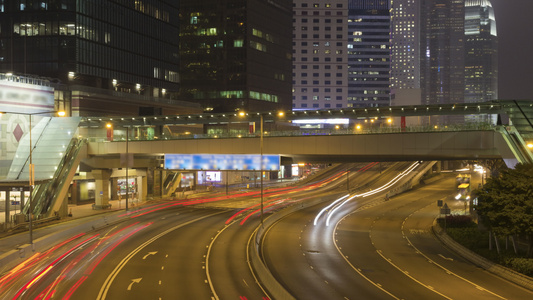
{"x": 114, "y": 189}
{"x": 101, "y": 188}
{"x": 438, "y": 167}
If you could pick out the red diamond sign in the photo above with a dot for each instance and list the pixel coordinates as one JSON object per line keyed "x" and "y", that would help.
{"x": 18, "y": 133}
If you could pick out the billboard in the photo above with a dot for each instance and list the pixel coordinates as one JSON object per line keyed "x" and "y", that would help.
{"x": 25, "y": 98}
{"x": 245, "y": 162}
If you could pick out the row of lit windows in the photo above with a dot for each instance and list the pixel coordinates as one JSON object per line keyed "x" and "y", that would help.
{"x": 236, "y": 95}
{"x": 316, "y": 5}
{"x": 317, "y": 98}
{"x": 258, "y": 33}
{"x": 264, "y": 97}
{"x": 317, "y": 44}
{"x": 46, "y": 28}
{"x": 258, "y": 46}
{"x": 316, "y": 51}
{"x": 150, "y": 10}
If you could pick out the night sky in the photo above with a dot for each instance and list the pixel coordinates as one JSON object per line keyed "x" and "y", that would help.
{"x": 514, "y": 22}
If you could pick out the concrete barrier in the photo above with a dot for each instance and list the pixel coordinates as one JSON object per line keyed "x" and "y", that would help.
{"x": 478, "y": 260}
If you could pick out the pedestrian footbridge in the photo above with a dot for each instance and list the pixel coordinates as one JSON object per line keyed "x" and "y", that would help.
{"x": 107, "y": 147}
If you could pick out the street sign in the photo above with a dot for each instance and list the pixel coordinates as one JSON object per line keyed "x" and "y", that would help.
{"x": 445, "y": 210}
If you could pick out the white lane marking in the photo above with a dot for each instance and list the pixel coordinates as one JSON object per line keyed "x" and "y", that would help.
{"x": 444, "y": 257}
{"x": 109, "y": 280}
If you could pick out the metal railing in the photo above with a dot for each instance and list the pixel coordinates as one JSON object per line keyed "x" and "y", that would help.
{"x": 310, "y": 132}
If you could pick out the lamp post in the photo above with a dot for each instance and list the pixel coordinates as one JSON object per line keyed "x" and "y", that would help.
{"x": 110, "y": 127}
{"x": 31, "y": 167}
{"x": 261, "y": 166}
{"x": 127, "y": 166}
{"x": 261, "y": 134}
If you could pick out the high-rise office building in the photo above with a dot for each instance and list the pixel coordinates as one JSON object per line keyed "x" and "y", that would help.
{"x": 320, "y": 75}
{"x": 442, "y": 46}
{"x": 113, "y": 48}
{"x": 405, "y": 44}
{"x": 236, "y": 54}
{"x": 369, "y": 27}
{"x": 481, "y": 47}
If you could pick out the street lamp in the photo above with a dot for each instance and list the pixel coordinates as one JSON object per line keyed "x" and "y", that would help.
{"x": 109, "y": 126}
{"x": 31, "y": 167}
{"x": 261, "y": 118}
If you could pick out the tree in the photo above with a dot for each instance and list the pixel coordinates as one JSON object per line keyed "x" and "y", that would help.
{"x": 506, "y": 203}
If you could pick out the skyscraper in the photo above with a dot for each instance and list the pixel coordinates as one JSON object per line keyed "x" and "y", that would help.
{"x": 405, "y": 44}
{"x": 481, "y": 52}
{"x": 129, "y": 46}
{"x": 320, "y": 75}
{"x": 236, "y": 54}
{"x": 443, "y": 54}
{"x": 442, "y": 42}
{"x": 369, "y": 53}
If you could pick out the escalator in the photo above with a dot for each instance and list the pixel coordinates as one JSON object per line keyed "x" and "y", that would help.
{"x": 171, "y": 183}
{"x": 520, "y": 131}
{"x": 48, "y": 197}
{"x": 54, "y": 153}
{"x": 516, "y": 145}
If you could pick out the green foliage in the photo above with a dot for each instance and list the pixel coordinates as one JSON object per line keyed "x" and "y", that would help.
{"x": 506, "y": 202}
{"x": 521, "y": 265}
{"x": 470, "y": 237}
{"x": 478, "y": 241}
{"x": 460, "y": 221}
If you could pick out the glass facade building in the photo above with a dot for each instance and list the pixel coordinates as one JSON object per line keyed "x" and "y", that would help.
{"x": 120, "y": 45}
{"x": 481, "y": 47}
{"x": 369, "y": 66}
{"x": 443, "y": 59}
{"x": 236, "y": 54}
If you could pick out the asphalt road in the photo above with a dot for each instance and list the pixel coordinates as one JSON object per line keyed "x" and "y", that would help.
{"x": 196, "y": 249}
{"x": 377, "y": 250}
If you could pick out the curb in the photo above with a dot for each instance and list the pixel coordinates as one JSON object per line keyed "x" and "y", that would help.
{"x": 478, "y": 260}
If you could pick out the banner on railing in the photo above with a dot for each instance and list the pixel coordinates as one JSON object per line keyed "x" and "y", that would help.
{"x": 221, "y": 162}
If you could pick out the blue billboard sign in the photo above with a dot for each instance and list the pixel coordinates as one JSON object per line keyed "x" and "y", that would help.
{"x": 245, "y": 162}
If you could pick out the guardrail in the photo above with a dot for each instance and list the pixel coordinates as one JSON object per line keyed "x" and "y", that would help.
{"x": 307, "y": 132}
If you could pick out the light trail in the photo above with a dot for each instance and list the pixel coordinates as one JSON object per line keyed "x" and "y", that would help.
{"x": 337, "y": 204}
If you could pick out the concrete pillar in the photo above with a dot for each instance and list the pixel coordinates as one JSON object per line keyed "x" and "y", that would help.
{"x": 438, "y": 167}
{"x": 114, "y": 188}
{"x": 101, "y": 188}
{"x": 142, "y": 182}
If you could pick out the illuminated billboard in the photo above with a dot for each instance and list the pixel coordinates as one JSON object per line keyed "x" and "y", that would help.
{"x": 18, "y": 97}
{"x": 221, "y": 162}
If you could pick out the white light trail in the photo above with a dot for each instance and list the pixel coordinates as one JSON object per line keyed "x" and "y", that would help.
{"x": 328, "y": 207}
{"x": 375, "y": 191}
